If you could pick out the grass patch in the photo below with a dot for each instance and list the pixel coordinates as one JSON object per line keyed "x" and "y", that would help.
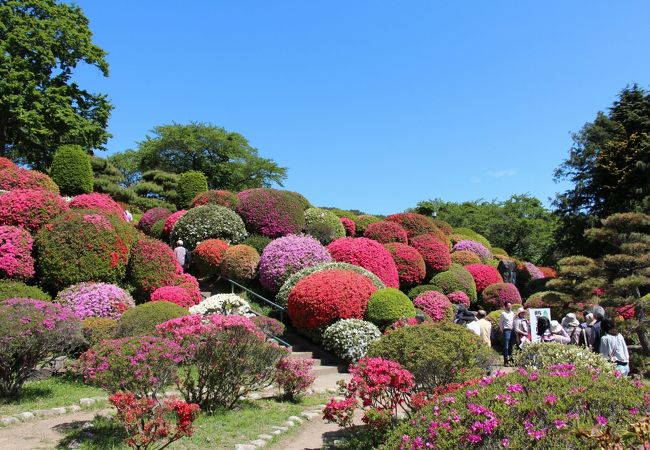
{"x": 49, "y": 393}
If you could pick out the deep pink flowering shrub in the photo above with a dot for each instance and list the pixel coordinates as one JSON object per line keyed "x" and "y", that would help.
{"x": 385, "y": 232}
{"x": 98, "y": 202}
{"x": 271, "y": 212}
{"x": 173, "y": 294}
{"x": 435, "y": 253}
{"x": 459, "y": 298}
{"x": 16, "y": 253}
{"x": 436, "y": 305}
{"x": 32, "y": 332}
{"x": 294, "y": 376}
{"x": 14, "y": 177}
{"x": 152, "y": 216}
{"x": 349, "y": 225}
{"x": 475, "y": 247}
{"x": 190, "y": 284}
{"x": 95, "y": 300}
{"x": 216, "y": 197}
{"x": 152, "y": 265}
{"x": 369, "y": 254}
{"x": 171, "y": 221}
{"x": 484, "y": 275}
{"x": 268, "y": 325}
{"x": 287, "y": 255}
{"x": 144, "y": 365}
{"x": 30, "y": 209}
{"x": 534, "y": 272}
{"x": 626, "y": 311}
{"x": 496, "y": 295}
{"x": 411, "y": 268}
{"x": 414, "y": 224}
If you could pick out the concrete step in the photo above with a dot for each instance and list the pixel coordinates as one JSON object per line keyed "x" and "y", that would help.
{"x": 325, "y": 370}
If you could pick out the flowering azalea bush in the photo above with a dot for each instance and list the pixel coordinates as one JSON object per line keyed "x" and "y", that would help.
{"x": 465, "y": 257}
{"x": 271, "y": 212}
{"x": 152, "y": 265}
{"x": 174, "y": 294}
{"x": 414, "y": 224}
{"x": 16, "y": 259}
{"x": 385, "y": 232}
{"x": 435, "y": 253}
{"x": 268, "y": 325}
{"x": 475, "y": 247}
{"x": 349, "y": 225}
{"x": 32, "y": 333}
{"x": 459, "y": 298}
{"x": 95, "y": 300}
{"x": 30, "y": 209}
{"x": 14, "y": 177}
{"x": 218, "y": 197}
{"x": 294, "y": 376}
{"x": 457, "y": 278}
{"x": 324, "y": 225}
{"x": 171, "y": 221}
{"x": 287, "y": 255}
{"x": 544, "y": 355}
{"x": 436, "y": 305}
{"x": 323, "y": 297}
{"x": 369, "y": 254}
{"x": 240, "y": 262}
{"x": 533, "y": 271}
{"x": 97, "y": 202}
{"x": 362, "y": 222}
{"x": 484, "y": 275}
{"x": 150, "y": 217}
{"x": 548, "y": 272}
{"x": 498, "y": 294}
{"x": 411, "y": 268}
{"x": 349, "y": 339}
{"x": 208, "y": 222}
{"x": 385, "y": 306}
{"x": 224, "y": 304}
{"x": 208, "y": 255}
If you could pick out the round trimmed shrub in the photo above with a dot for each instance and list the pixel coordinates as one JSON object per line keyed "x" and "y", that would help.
{"x": 349, "y": 339}
{"x": 435, "y": 253}
{"x": 258, "y": 242}
{"x": 499, "y": 251}
{"x": 71, "y": 170}
{"x": 543, "y": 355}
{"x": 484, "y": 275}
{"x": 443, "y": 226}
{"x": 190, "y": 184}
{"x": 386, "y": 306}
{"x": 142, "y": 319}
{"x": 283, "y": 294}
{"x": 216, "y": 197}
{"x": 95, "y": 300}
{"x": 152, "y": 265}
{"x": 558, "y": 302}
{"x": 173, "y": 294}
{"x": 16, "y": 259}
{"x": 208, "y": 256}
{"x": 171, "y": 221}
{"x": 17, "y": 289}
{"x": 102, "y": 203}
{"x": 349, "y": 225}
{"x": 209, "y": 222}
{"x": 324, "y": 225}
{"x": 457, "y": 278}
{"x": 240, "y": 262}
{"x": 223, "y": 304}
{"x": 369, "y": 254}
{"x": 190, "y": 284}
{"x": 152, "y": 216}
{"x": 306, "y": 204}
{"x": 268, "y": 325}
{"x": 362, "y": 222}
{"x": 323, "y": 297}
{"x": 271, "y": 212}
{"x": 385, "y": 232}
{"x": 496, "y": 295}
{"x": 435, "y": 305}
{"x": 79, "y": 247}
{"x": 411, "y": 268}
{"x": 157, "y": 230}
{"x": 98, "y": 329}
{"x": 414, "y": 224}
{"x": 417, "y": 290}
{"x": 17, "y": 178}
{"x": 475, "y": 247}
{"x": 287, "y": 255}
{"x": 459, "y": 298}
{"x": 30, "y": 209}
{"x": 462, "y": 233}
{"x": 465, "y": 257}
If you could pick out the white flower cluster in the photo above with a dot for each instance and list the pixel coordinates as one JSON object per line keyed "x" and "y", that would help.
{"x": 349, "y": 339}
{"x": 226, "y": 304}
{"x": 209, "y": 222}
{"x": 545, "y": 354}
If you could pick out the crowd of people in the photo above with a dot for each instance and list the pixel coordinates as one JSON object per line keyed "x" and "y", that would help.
{"x": 597, "y": 332}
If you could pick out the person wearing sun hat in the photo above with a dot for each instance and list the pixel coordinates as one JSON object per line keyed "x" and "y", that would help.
{"x": 558, "y": 334}
{"x": 572, "y": 327}
{"x": 522, "y": 328}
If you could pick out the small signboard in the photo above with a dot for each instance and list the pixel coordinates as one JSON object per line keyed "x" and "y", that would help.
{"x": 535, "y": 313}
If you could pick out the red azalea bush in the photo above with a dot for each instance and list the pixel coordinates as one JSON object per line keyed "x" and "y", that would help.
{"x": 271, "y": 212}
{"x": 190, "y": 284}
{"x": 484, "y": 275}
{"x": 6, "y": 163}
{"x": 498, "y": 294}
{"x": 435, "y": 253}
{"x": 323, "y": 297}
{"x": 436, "y": 305}
{"x": 465, "y": 257}
{"x": 98, "y": 202}
{"x": 459, "y": 298}
{"x": 362, "y": 221}
{"x": 414, "y": 224}
{"x": 548, "y": 272}
{"x": 626, "y": 311}
{"x": 171, "y": 221}
{"x": 369, "y": 254}
{"x": 30, "y": 209}
{"x": 152, "y": 265}
{"x": 13, "y": 177}
{"x": 173, "y": 294}
{"x": 443, "y": 226}
{"x": 349, "y": 225}
{"x": 240, "y": 262}
{"x": 208, "y": 255}
{"x": 294, "y": 376}
{"x": 152, "y": 216}
{"x": 216, "y": 197}
{"x": 410, "y": 264}
{"x": 385, "y": 232}
{"x": 16, "y": 253}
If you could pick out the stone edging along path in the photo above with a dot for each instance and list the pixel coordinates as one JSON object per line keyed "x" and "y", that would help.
{"x": 38, "y": 413}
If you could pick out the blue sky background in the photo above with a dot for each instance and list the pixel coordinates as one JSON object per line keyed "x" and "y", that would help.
{"x": 376, "y": 105}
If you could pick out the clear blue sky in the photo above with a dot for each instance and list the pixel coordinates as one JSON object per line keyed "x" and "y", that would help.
{"x": 376, "y": 105}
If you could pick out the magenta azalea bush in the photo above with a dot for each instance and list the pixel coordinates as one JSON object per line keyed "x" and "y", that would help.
{"x": 294, "y": 376}
{"x": 96, "y": 300}
{"x": 173, "y": 294}
{"x": 287, "y": 255}
{"x": 436, "y": 305}
{"x": 16, "y": 259}
{"x": 271, "y": 212}
{"x": 103, "y": 203}
{"x": 533, "y": 270}
{"x": 150, "y": 217}
{"x": 459, "y": 298}
{"x": 475, "y": 247}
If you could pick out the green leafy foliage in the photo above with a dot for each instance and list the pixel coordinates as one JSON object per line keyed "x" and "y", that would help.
{"x": 72, "y": 171}
{"x": 323, "y": 225}
{"x": 386, "y": 306}
{"x": 190, "y": 184}
{"x": 17, "y": 289}
{"x": 142, "y": 319}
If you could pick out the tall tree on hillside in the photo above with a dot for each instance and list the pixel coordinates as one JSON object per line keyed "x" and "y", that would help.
{"x": 609, "y": 167}
{"x": 41, "y": 107}
{"x": 226, "y": 158}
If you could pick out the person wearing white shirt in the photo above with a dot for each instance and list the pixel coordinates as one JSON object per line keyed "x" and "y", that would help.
{"x": 507, "y": 324}
{"x": 613, "y": 346}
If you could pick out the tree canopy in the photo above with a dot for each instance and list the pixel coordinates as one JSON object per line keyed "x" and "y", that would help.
{"x": 41, "y": 107}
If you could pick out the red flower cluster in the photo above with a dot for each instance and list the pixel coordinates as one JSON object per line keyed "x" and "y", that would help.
{"x": 498, "y": 294}
{"x": 152, "y": 216}
{"x": 100, "y": 202}
{"x": 414, "y": 224}
{"x": 435, "y": 253}
{"x": 323, "y": 297}
{"x": 216, "y": 197}
{"x": 209, "y": 254}
{"x": 349, "y": 225}
{"x": 386, "y": 232}
{"x": 152, "y": 265}
{"x": 369, "y": 254}
{"x": 30, "y": 208}
{"x": 13, "y": 177}
{"x": 190, "y": 284}
{"x": 16, "y": 253}
{"x": 548, "y": 272}
{"x": 484, "y": 275}
{"x": 410, "y": 264}
{"x": 171, "y": 221}
{"x": 626, "y": 311}
{"x": 240, "y": 262}
{"x": 174, "y": 294}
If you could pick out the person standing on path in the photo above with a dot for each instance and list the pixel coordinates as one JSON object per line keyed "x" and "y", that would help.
{"x": 572, "y": 327}
{"x": 522, "y": 328}
{"x": 180, "y": 253}
{"x": 507, "y": 325}
{"x": 613, "y": 346}
{"x": 485, "y": 326}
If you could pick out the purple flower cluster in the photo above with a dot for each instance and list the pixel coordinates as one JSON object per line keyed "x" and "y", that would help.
{"x": 287, "y": 255}
{"x": 475, "y": 247}
{"x": 96, "y": 300}
{"x": 533, "y": 270}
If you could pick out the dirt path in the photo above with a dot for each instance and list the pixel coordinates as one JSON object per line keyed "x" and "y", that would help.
{"x": 312, "y": 435}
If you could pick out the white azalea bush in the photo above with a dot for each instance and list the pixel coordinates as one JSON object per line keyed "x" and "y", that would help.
{"x": 225, "y": 304}
{"x": 546, "y": 354}
{"x": 209, "y": 222}
{"x": 349, "y": 339}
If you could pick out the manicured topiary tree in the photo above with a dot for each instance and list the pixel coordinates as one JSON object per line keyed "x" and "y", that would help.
{"x": 475, "y": 247}
{"x": 16, "y": 259}
{"x": 171, "y": 221}
{"x": 72, "y": 171}
{"x": 362, "y": 221}
{"x": 414, "y": 224}
{"x": 410, "y": 264}
{"x": 98, "y": 202}
{"x": 323, "y": 297}
{"x": 369, "y": 254}
{"x": 457, "y": 278}
{"x": 190, "y": 184}
{"x": 287, "y": 255}
{"x": 142, "y": 319}
{"x": 78, "y": 247}
{"x": 156, "y": 231}
{"x": 465, "y": 257}
{"x": 150, "y": 217}
{"x": 216, "y": 197}
{"x": 435, "y": 253}
{"x": 152, "y": 265}
{"x": 385, "y": 232}
{"x": 271, "y": 212}
{"x": 15, "y": 177}
{"x": 208, "y": 256}
{"x": 386, "y": 306}
{"x": 95, "y": 300}
{"x": 30, "y": 208}
{"x": 349, "y": 225}
{"x": 17, "y": 289}
{"x": 240, "y": 262}
{"x": 484, "y": 275}
{"x": 209, "y": 222}
{"x": 436, "y": 305}
{"x": 496, "y": 295}
{"x": 323, "y": 225}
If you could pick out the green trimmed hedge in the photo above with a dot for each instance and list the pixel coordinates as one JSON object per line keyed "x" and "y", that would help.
{"x": 190, "y": 184}
{"x": 142, "y": 319}
{"x": 387, "y": 306}
{"x": 72, "y": 171}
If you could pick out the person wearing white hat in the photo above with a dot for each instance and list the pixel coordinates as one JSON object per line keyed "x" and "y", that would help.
{"x": 180, "y": 253}
{"x": 572, "y": 327}
{"x": 522, "y": 328}
{"x": 558, "y": 334}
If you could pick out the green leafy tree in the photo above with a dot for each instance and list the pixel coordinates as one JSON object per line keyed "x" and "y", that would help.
{"x": 190, "y": 184}
{"x": 41, "y": 108}
{"x": 226, "y": 158}
{"x": 578, "y": 277}
{"x": 128, "y": 164}
{"x": 72, "y": 171}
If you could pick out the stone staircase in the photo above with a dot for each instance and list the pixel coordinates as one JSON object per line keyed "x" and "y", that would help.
{"x": 324, "y": 362}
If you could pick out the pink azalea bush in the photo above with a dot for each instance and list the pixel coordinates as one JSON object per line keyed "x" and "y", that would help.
{"x": 271, "y": 212}
{"x": 99, "y": 202}
{"x": 294, "y": 376}
{"x": 349, "y": 225}
{"x": 496, "y": 295}
{"x": 150, "y": 217}
{"x": 16, "y": 259}
{"x": 171, "y": 221}
{"x": 436, "y": 305}
{"x": 174, "y": 294}
{"x": 459, "y": 298}
{"x": 30, "y": 209}
{"x": 534, "y": 272}
{"x": 369, "y": 254}
{"x": 95, "y": 300}
{"x": 484, "y": 275}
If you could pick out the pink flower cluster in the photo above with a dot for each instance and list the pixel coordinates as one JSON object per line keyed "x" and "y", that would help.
{"x": 271, "y": 212}
{"x": 100, "y": 202}
{"x": 171, "y": 221}
{"x": 475, "y": 247}
{"x": 369, "y": 254}
{"x": 185, "y": 330}
{"x": 174, "y": 294}
{"x": 484, "y": 275}
{"x": 349, "y": 225}
{"x": 96, "y": 300}
{"x": 16, "y": 259}
{"x": 30, "y": 209}
{"x": 294, "y": 376}
{"x": 459, "y": 298}
{"x": 435, "y": 304}
{"x": 150, "y": 217}
{"x": 533, "y": 271}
